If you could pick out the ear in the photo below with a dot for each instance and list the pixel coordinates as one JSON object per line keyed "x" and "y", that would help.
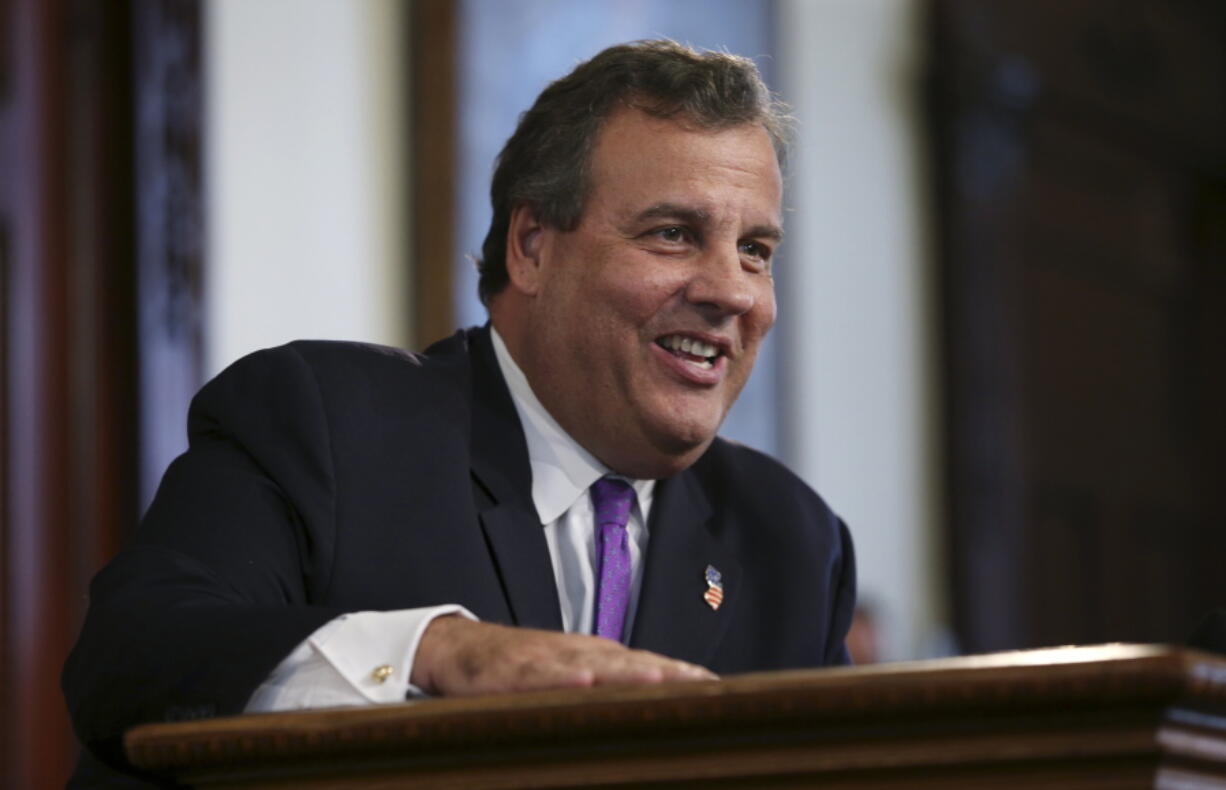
{"x": 525, "y": 241}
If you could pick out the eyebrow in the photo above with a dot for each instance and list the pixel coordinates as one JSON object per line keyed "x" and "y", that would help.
{"x": 698, "y": 216}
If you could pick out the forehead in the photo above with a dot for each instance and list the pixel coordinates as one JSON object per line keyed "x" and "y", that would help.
{"x": 639, "y": 159}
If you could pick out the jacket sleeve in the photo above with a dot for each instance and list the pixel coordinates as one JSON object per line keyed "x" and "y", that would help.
{"x": 222, "y": 578}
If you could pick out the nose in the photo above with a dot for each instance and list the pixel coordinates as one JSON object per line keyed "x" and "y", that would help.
{"x": 722, "y": 286}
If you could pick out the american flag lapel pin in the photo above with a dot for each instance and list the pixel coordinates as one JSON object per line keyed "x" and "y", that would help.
{"x": 714, "y": 595}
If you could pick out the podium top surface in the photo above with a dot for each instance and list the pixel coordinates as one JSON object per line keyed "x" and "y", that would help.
{"x": 1154, "y": 682}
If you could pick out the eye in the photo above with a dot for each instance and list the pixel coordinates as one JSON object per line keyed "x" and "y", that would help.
{"x": 756, "y": 252}
{"x": 673, "y": 234}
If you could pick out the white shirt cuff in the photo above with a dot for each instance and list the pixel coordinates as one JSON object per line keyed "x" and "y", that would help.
{"x": 356, "y": 659}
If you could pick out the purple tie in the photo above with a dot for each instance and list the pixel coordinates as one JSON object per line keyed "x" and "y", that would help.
{"x": 611, "y": 500}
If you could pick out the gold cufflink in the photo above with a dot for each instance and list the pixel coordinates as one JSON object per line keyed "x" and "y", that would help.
{"x": 382, "y": 672}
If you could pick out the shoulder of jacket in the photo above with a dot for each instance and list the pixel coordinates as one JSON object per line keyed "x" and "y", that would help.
{"x": 334, "y": 375}
{"x": 326, "y": 359}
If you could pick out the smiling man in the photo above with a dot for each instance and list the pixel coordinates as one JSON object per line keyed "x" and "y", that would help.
{"x": 638, "y": 328}
{"x": 537, "y": 503}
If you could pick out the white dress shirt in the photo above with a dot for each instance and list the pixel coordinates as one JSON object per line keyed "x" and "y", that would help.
{"x": 367, "y": 657}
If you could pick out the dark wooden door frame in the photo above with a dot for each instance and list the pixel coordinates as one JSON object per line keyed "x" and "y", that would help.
{"x": 37, "y": 330}
{"x": 69, "y": 439}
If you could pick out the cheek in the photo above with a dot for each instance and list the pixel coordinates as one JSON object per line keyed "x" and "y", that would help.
{"x": 639, "y": 297}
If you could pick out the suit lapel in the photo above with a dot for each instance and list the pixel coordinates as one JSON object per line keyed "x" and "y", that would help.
{"x": 502, "y": 492}
{"x": 673, "y": 618}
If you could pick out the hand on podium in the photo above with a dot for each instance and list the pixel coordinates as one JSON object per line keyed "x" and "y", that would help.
{"x": 458, "y": 656}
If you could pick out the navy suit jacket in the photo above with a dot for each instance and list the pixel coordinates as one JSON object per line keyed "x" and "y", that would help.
{"x": 329, "y": 477}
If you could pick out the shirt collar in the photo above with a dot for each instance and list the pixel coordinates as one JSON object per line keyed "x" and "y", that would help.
{"x": 562, "y": 470}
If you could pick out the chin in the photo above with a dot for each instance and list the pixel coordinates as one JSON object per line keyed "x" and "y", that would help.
{"x": 665, "y": 440}
{"x": 655, "y": 454}
{"x": 660, "y": 466}
{"x": 676, "y": 451}
{"x": 682, "y": 435}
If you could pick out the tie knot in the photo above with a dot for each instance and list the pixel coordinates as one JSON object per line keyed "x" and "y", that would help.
{"x": 611, "y": 500}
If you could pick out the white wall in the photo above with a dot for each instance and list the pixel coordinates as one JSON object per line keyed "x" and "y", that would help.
{"x": 859, "y": 326}
{"x": 306, "y": 207}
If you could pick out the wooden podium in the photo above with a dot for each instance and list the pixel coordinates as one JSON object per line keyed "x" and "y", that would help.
{"x": 1115, "y": 716}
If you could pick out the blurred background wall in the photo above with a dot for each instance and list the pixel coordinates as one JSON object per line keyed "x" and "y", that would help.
{"x": 1002, "y": 296}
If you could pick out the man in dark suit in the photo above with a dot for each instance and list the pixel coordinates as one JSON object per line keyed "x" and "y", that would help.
{"x": 541, "y": 502}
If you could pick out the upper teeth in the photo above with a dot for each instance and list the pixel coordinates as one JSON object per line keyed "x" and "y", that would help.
{"x": 690, "y": 346}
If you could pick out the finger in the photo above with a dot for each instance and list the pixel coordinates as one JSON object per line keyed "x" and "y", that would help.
{"x": 681, "y": 670}
{"x": 580, "y": 661}
{"x": 639, "y": 666}
{"x": 675, "y": 668}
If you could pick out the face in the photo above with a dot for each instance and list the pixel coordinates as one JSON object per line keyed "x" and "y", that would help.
{"x": 641, "y": 325}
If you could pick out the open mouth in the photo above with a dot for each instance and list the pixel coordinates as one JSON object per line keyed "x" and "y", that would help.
{"x": 696, "y": 352}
